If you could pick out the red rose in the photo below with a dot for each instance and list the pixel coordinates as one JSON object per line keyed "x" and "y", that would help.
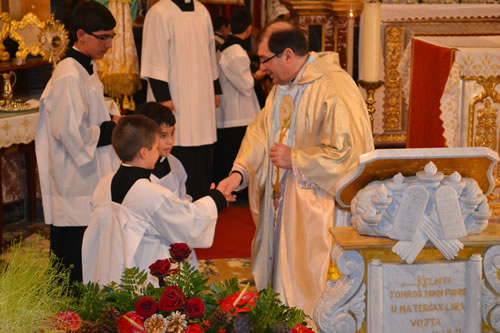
{"x": 130, "y": 322}
{"x": 171, "y": 299}
{"x": 179, "y": 252}
{"x": 299, "y": 328}
{"x": 194, "y": 328}
{"x": 195, "y": 307}
{"x": 146, "y": 307}
{"x": 160, "y": 268}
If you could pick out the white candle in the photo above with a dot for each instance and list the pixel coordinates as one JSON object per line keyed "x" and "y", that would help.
{"x": 350, "y": 43}
{"x": 371, "y": 42}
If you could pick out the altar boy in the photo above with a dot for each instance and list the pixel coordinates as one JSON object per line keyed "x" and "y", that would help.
{"x": 73, "y": 137}
{"x": 134, "y": 221}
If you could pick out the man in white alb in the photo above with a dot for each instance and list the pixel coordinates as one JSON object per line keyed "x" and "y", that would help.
{"x": 179, "y": 62}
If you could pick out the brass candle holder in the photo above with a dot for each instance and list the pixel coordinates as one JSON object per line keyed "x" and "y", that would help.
{"x": 370, "y": 88}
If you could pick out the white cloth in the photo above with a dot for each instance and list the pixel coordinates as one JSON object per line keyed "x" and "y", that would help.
{"x": 238, "y": 103}
{"x": 175, "y": 180}
{"x": 72, "y": 107}
{"x": 139, "y": 231}
{"x": 178, "y": 48}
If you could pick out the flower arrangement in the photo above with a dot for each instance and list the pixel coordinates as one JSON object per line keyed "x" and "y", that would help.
{"x": 183, "y": 302}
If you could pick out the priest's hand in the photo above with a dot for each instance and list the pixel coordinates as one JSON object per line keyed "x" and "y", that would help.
{"x": 169, "y": 104}
{"x": 229, "y": 184}
{"x": 281, "y": 156}
{"x": 229, "y": 197}
{"x": 217, "y": 101}
{"x": 116, "y": 119}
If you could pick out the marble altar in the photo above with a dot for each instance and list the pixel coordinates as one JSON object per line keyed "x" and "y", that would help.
{"x": 423, "y": 272}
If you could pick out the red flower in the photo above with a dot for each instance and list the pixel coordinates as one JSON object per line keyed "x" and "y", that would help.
{"x": 160, "y": 268}
{"x": 301, "y": 329}
{"x": 194, "y": 328}
{"x": 130, "y": 322}
{"x": 66, "y": 321}
{"x": 248, "y": 298}
{"x": 146, "y": 307}
{"x": 172, "y": 298}
{"x": 179, "y": 252}
{"x": 222, "y": 330}
{"x": 195, "y": 307}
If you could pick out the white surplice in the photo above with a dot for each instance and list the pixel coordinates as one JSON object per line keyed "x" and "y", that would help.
{"x": 72, "y": 107}
{"x": 139, "y": 231}
{"x": 179, "y": 48}
{"x": 175, "y": 180}
{"x": 238, "y": 103}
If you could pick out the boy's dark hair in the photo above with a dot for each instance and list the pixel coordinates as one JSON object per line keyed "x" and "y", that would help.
{"x": 133, "y": 133}
{"x": 158, "y": 112}
{"x": 220, "y": 21}
{"x": 90, "y": 16}
{"x": 240, "y": 20}
{"x": 292, "y": 38}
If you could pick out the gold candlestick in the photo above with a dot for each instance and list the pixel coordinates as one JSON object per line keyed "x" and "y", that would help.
{"x": 370, "y": 88}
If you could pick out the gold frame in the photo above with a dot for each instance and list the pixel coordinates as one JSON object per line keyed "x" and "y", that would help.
{"x": 4, "y": 33}
{"x": 29, "y": 20}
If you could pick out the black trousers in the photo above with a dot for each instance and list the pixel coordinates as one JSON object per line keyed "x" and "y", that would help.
{"x": 198, "y": 162}
{"x": 226, "y": 148}
{"x": 66, "y": 244}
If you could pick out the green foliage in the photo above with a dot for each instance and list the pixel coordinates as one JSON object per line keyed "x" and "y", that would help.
{"x": 91, "y": 301}
{"x": 32, "y": 289}
{"x": 270, "y": 310}
{"x": 189, "y": 280}
{"x": 222, "y": 290}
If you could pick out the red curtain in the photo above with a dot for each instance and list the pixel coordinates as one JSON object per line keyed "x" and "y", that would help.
{"x": 430, "y": 68}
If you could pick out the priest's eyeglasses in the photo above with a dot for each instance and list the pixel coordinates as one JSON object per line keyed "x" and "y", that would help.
{"x": 103, "y": 38}
{"x": 270, "y": 58}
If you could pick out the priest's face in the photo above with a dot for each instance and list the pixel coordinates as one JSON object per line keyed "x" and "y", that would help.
{"x": 272, "y": 64}
{"x": 167, "y": 139}
{"x": 96, "y": 44}
{"x": 151, "y": 155}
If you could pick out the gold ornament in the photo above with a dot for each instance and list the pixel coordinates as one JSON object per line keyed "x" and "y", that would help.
{"x": 176, "y": 322}
{"x": 155, "y": 324}
{"x": 54, "y": 40}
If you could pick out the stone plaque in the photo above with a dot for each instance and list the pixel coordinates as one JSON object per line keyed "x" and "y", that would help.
{"x": 410, "y": 212}
{"x": 434, "y": 297}
{"x": 449, "y": 213}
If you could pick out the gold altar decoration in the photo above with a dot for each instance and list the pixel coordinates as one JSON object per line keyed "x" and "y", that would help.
{"x": 394, "y": 36}
{"x": 483, "y": 122}
{"x": 54, "y": 40}
{"x": 4, "y": 33}
{"x": 119, "y": 69}
{"x": 25, "y": 33}
{"x": 370, "y": 88}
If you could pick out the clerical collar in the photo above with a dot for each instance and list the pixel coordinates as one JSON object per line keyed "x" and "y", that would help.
{"x": 83, "y": 59}
{"x": 162, "y": 168}
{"x": 185, "y": 5}
{"x": 124, "y": 179}
{"x": 231, "y": 40}
{"x": 302, "y": 70}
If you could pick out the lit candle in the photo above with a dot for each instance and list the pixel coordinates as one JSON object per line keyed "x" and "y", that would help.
{"x": 371, "y": 42}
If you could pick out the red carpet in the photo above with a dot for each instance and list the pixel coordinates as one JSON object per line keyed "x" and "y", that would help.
{"x": 233, "y": 235}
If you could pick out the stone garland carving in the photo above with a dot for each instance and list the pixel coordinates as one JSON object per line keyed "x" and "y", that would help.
{"x": 428, "y": 206}
{"x": 491, "y": 297}
{"x": 341, "y": 308}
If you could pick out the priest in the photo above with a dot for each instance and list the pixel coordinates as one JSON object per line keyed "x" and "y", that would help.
{"x": 179, "y": 63}
{"x": 73, "y": 137}
{"x": 310, "y": 133}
